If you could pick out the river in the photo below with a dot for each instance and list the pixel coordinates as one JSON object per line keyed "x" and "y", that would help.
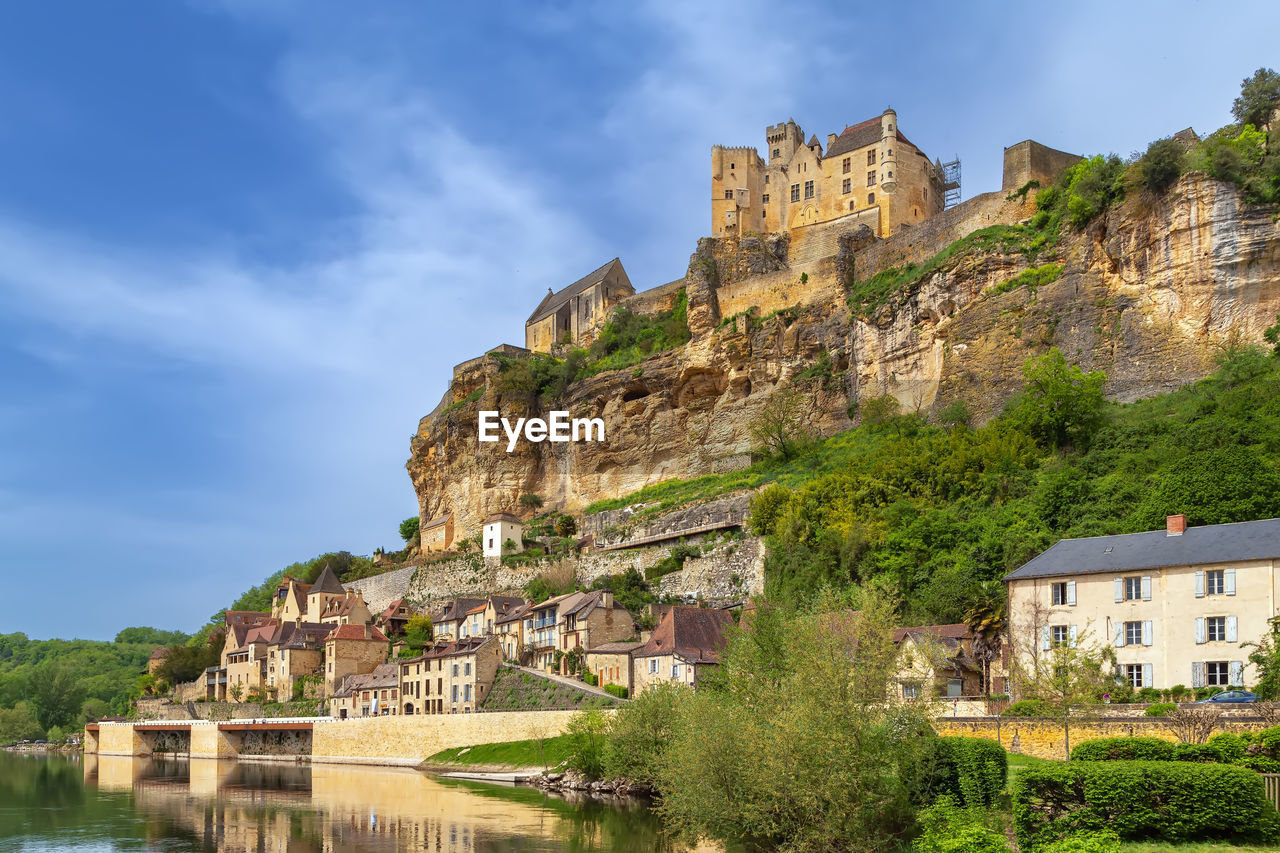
{"x": 105, "y": 803}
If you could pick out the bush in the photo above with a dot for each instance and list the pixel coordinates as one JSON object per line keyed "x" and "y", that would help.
{"x": 1027, "y": 708}
{"x": 1085, "y": 842}
{"x": 640, "y": 732}
{"x": 587, "y": 737}
{"x": 1198, "y": 752}
{"x": 409, "y": 529}
{"x": 973, "y": 770}
{"x": 589, "y": 678}
{"x": 616, "y": 690}
{"x": 1161, "y": 709}
{"x": 1125, "y": 749}
{"x": 1161, "y": 165}
{"x": 947, "y": 828}
{"x": 1137, "y": 800}
{"x": 1230, "y": 747}
{"x": 767, "y": 507}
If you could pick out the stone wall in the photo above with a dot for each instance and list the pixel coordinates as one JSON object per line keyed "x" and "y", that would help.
{"x": 1046, "y": 738}
{"x": 731, "y": 573}
{"x": 628, "y": 525}
{"x": 380, "y": 590}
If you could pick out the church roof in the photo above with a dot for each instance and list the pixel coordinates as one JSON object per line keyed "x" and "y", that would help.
{"x": 552, "y": 301}
{"x": 327, "y": 582}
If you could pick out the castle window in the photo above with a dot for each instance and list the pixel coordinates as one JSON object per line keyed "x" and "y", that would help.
{"x": 871, "y": 179}
{"x": 795, "y": 192}
{"x": 733, "y": 166}
{"x": 871, "y": 157}
{"x": 846, "y": 186}
{"x": 847, "y": 164}
{"x": 851, "y": 204}
{"x": 890, "y": 152}
{"x": 766, "y": 179}
{"x": 871, "y": 198}
{"x": 926, "y": 193}
{"x": 764, "y": 199}
{"x": 728, "y": 193}
{"x": 808, "y": 189}
{"x": 777, "y": 152}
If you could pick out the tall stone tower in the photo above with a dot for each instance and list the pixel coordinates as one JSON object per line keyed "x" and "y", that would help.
{"x": 888, "y": 155}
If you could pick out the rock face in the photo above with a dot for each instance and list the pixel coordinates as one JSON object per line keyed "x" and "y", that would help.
{"x": 1147, "y": 294}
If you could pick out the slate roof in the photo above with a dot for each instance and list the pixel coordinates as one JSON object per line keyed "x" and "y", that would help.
{"x": 1212, "y": 543}
{"x": 614, "y": 648}
{"x": 515, "y": 613}
{"x": 454, "y": 609}
{"x": 384, "y": 675}
{"x": 356, "y": 632}
{"x": 327, "y": 582}
{"x": 437, "y": 521}
{"x": 552, "y": 301}
{"x": 860, "y": 135}
{"x": 694, "y": 633}
{"x": 955, "y": 631}
{"x": 502, "y": 516}
{"x": 450, "y": 649}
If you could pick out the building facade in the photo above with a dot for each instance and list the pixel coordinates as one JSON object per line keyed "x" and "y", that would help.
{"x": 450, "y": 677}
{"x": 502, "y": 533}
{"x": 686, "y": 642}
{"x": 870, "y": 173}
{"x": 1174, "y": 605}
{"x": 573, "y": 314}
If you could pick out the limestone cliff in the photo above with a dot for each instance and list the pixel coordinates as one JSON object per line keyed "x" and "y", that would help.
{"x": 1148, "y": 294}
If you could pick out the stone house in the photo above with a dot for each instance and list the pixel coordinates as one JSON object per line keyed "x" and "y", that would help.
{"x": 870, "y": 173}
{"x": 289, "y": 604}
{"x": 374, "y": 694}
{"x": 394, "y": 618}
{"x": 352, "y": 650}
{"x": 1175, "y": 605}
{"x": 297, "y": 651}
{"x": 685, "y": 643}
{"x": 937, "y": 661}
{"x": 503, "y": 533}
{"x": 592, "y": 620}
{"x": 350, "y": 609}
{"x": 509, "y": 627}
{"x": 156, "y": 660}
{"x": 611, "y": 663}
{"x": 572, "y": 315}
{"x": 450, "y": 677}
{"x": 448, "y": 618}
{"x": 437, "y": 534}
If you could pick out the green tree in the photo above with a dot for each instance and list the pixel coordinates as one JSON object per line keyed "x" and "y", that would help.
{"x": 151, "y": 636}
{"x": 641, "y": 731}
{"x": 409, "y": 529}
{"x": 1218, "y": 486}
{"x": 1161, "y": 165}
{"x": 18, "y": 723}
{"x": 185, "y": 663}
{"x": 1272, "y": 336}
{"x": 879, "y": 411}
{"x": 1259, "y": 97}
{"x": 766, "y": 507}
{"x": 566, "y": 526}
{"x": 1061, "y": 405}
{"x": 531, "y": 501}
{"x": 56, "y": 694}
{"x": 1265, "y": 656}
{"x": 782, "y": 425}
{"x": 418, "y": 632}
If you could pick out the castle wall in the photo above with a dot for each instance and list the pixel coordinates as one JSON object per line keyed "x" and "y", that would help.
{"x": 1029, "y": 160}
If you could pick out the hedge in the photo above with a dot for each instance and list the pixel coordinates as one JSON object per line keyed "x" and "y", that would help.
{"x": 1170, "y": 801}
{"x": 1258, "y": 751}
{"x": 1125, "y": 749}
{"x": 1027, "y": 708}
{"x": 973, "y": 770}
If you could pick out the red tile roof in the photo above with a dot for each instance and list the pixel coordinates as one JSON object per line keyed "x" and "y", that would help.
{"x": 954, "y": 631}
{"x": 694, "y": 633}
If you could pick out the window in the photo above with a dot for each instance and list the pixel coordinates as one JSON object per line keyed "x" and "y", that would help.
{"x": 846, "y": 165}
{"x": 455, "y": 693}
{"x": 1132, "y": 589}
{"x": 1216, "y": 673}
{"x": 466, "y": 693}
{"x": 926, "y": 193}
{"x": 1215, "y": 582}
{"x": 871, "y": 157}
{"x": 1058, "y": 635}
{"x": 728, "y": 194}
{"x": 653, "y": 665}
{"x": 455, "y": 670}
{"x": 852, "y": 205}
{"x": 890, "y": 153}
{"x": 675, "y": 670}
{"x": 764, "y": 198}
{"x": 795, "y": 192}
{"x": 777, "y": 152}
{"x": 1133, "y": 633}
{"x": 466, "y": 668}
{"x": 766, "y": 179}
{"x": 733, "y": 166}
{"x": 1133, "y": 675}
{"x": 1059, "y": 594}
{"x": 891, "y": 173}
{"x": 871, "y": 198}
{"x": 871, "y": 179}
{"x": 911, "y": 691}
{"x": 1217, "y": 628}
{"x": 808, "y": 189}
{"x": 490, "y": 543}
{"x": 846, "y": 186}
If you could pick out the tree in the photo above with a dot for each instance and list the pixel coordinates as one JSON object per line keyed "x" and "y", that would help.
{"x": 1259, "y": 97}
{"x": 1061, "y": 405}
{"x": 1272, "y": 336}
{"x": 878, "y": 411}
{"x": 641, "y": 731}
{"x": 151, "y": 636}
{"x": 185, "y": 663}
{"x": 1265, "y": 656}
{"x": 766, "y": 507}
{"x": 56, "y": 694}
{"x": 1161, "y": 165}
{"x": 782, "y": 425}
{"x": 1219, "y": 486}
{"x": 18, "y": 723}
{"x": 566, "y": 526}
{"x": 987, "y": 621}
{"x": 531, "y": 501}
{"x": 418, "y": 631}
{"x": 409, "y": 529}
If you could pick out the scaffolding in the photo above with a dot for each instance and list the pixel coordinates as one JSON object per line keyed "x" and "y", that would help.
{"x": 951, "y": 184}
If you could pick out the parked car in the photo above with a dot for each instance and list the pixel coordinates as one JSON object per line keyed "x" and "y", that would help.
{"x": 1232, "y": 696}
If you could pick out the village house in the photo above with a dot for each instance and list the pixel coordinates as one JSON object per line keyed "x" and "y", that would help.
{"x": 352, "y": 650}
{"x": 870, "y": 174}
{"x": 510, "y": 630}
{"x": 373, "y": 694}
{"x": 573, "y": 314}
{"x": 350, "y": 609}
{"x": 1175, "y": 605}
{"x": 499, "y": 607}
{"x": 503, "y": 533}
{"x": 449, "y": 677}
{"x": 394, "y": 618}
{"x": 611, "y": 663}
{"x": 686, "y": 642}
{"x": 297, "y": 652}
{"x": 156, "y": 660}
{"x": 561, "y": 624}
{"x": 436, "y": 534}
{"x": 448, "y": 618}
{"x": 937, "y": 661}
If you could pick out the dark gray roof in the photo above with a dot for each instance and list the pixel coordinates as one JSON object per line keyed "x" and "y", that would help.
{"x": 552, "y": 301}
{"x": 1214, "y": 543}
{"x": 327, "y": 582}
{"x": 860, "y": 135}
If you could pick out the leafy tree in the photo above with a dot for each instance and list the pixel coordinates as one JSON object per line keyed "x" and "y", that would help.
{"x": 1161, "y": 165}
{"x": 56, "y": 694}
{"x": 629, "y": 590}
{"x": 151, "y": 636}
{"x": 1092, "y": 185}
{"x": 1061, "y": 405}
{"x": 1272, "y": 336}
{"x": 531, "y": 501}
{"x": 409, "y": 529}
{"x": 956, "y": 414}
{"x": 1216, "y": 486}
{"x": 94, "y": 709}
{"x": 640, "y": 733}
{"x": 566, "y": 526}
{"x": 782, "y": 425}
{"x": 18, "y": 723}
{"x": 418, "y": 632}
{"x": 1259, "y": 97}
{"x": 766, "y": 507}
{"x": 1265, "y": 656}
{"x": 879, "y": 411}
{"x": 185, "y": 663}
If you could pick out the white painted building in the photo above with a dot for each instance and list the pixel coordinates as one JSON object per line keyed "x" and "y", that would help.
{"x": 499, "y": 529}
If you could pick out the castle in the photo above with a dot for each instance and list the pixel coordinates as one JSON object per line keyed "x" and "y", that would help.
{"x": 870, "y": 173}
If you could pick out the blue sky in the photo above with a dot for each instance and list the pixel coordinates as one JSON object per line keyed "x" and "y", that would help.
{"x": 242, "y": 242}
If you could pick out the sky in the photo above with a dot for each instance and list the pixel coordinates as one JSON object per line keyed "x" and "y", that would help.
{"x": 243, "y": 242}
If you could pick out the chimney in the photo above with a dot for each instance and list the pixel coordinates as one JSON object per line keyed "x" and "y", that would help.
{"x": 831, "y": 140}
{"x": 1175, "y": 525}
{"x": 606, "y": 600}
{"x": 368, "y": 631}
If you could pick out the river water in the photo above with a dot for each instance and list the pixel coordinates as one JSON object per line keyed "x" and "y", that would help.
{"x": 104, "y": 803}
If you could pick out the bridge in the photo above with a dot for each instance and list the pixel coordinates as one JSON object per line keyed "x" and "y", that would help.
{"x": 277, "y": 738}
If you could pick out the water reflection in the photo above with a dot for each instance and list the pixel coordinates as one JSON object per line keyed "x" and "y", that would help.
{"x": 176, "y": 804}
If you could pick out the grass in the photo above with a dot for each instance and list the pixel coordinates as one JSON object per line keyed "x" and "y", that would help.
{"x": 514, "y": 690}
{"x": 550, "y": 752}
{"x": 1192, "y": 847}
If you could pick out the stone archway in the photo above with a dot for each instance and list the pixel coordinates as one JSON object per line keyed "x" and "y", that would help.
{"x": 807, "y": 215}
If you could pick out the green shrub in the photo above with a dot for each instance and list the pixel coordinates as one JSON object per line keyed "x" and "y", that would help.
{"x": 1161, "y": 165}
{"x": 589, "y": 678}
{"x": 587, "y": 738}
{"x": 766, "y": 507}
{"x": 1161, "y": 709}
{"x": 1125, "y": 749}
{"x": 616, "y": 690}
{"x": 1027, "y": 708}
{"x": 1230, "y": 747}
{"x": 1197, "y": 752}
{"x": 1170, "y": 801}
{"x": 1085, "y": 842}
{"x": 947, "y": 828}
{"x": 973, "y": 770}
